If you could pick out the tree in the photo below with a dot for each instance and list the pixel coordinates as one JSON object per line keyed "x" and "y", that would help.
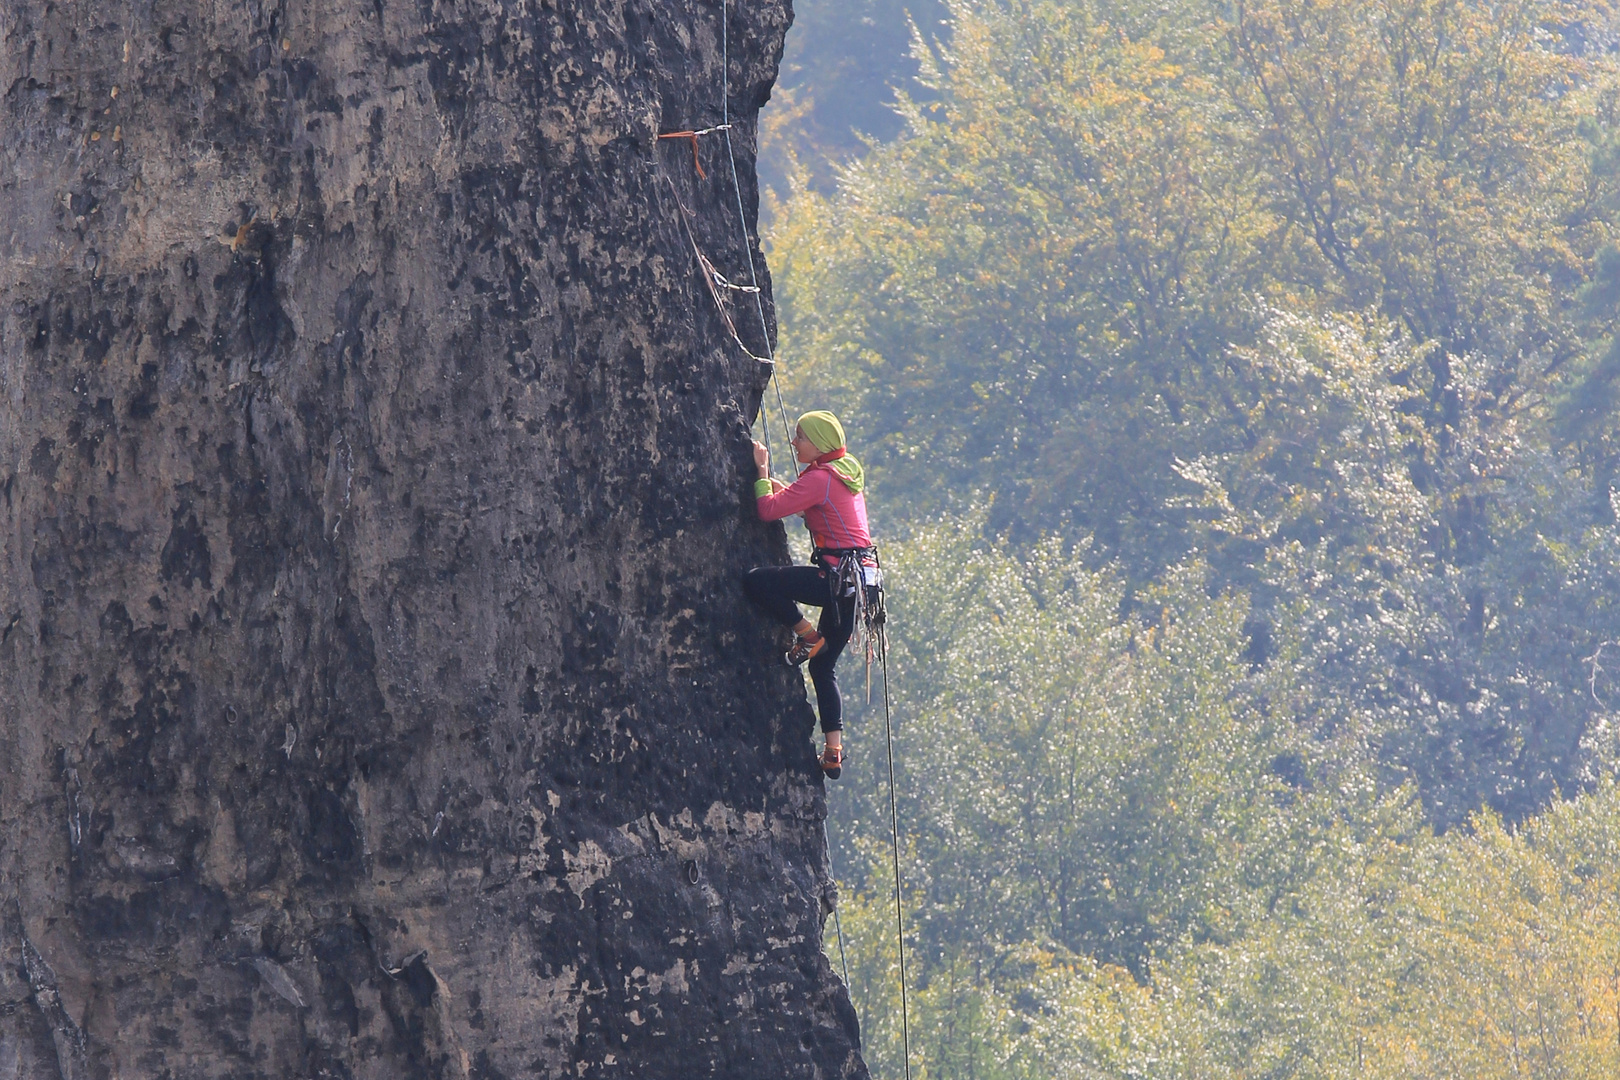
{"x": 1050, "y": 297}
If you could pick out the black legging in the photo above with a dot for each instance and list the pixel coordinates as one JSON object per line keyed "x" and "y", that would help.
{"x": 779, "y": 589}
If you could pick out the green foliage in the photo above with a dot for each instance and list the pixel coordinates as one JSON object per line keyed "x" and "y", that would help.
{"x": 1430, "y": 152}
{"x": 1444, "y": 614}
{"x": 840, "y": 69}
{"x": 1588, "y": 401}
{"x": 1034, "y": 290}
{"x": 1287, "y": 285}
{"x": 1109, "y": 875}
{"x": 1491, "y": 955}
{"x": 1093, "y": 778}
{"x": 1241, "y": 378}
{"x": 1007, "y": 286}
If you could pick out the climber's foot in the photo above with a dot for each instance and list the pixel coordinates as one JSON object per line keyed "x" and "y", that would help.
{"x": 805, "y": 646}
{"x": 832, "y": 762}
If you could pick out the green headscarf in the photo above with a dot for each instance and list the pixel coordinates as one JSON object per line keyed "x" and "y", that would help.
{"x": 827, "y": 434}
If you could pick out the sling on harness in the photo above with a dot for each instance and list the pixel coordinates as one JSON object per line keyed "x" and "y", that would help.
{"x": 858, "y": 574}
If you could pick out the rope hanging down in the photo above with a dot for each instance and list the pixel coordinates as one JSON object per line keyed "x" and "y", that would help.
{"x": 871, "y": 617}
{"x": 894, "y": 836}
{"x": 715, "y": 280}
{"x": 742, "y": 217}
{"x": 871, "y": 623}
{"x": 874, "y": 621}
{"x": 838, "y": 924}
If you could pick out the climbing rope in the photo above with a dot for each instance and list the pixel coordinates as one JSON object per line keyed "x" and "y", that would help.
{"x": 871, "y": 616}
{"x": 894, "y": 837}
{"x": 715, "y": 280}
{"x": 838, "y": 924}
{"x": 742, "y": 217}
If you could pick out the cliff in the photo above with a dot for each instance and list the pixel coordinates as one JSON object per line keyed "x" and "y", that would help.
{"x": 377, "y": 695}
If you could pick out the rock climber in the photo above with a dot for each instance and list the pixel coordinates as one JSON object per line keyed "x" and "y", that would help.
{"x": 828, "y": 494}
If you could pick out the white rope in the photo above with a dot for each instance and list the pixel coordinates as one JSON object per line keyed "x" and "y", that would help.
{"x": 742, "y": 218}
{"x": 894, "y": 836}
{"x": 712, "y": 278}
{"x": 838, "y": 924}
{"x": 715, "y": 282}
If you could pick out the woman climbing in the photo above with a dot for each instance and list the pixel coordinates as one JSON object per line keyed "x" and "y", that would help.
{"x": 828, "y": 494}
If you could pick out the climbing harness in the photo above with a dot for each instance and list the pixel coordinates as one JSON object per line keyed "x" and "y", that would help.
{"x": 858, "y": 574}
{"x": 862, "y": 573}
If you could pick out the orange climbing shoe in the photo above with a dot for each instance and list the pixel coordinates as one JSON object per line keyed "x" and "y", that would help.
{"x": 832, "y": 762}
{"x": 805, "y": 646}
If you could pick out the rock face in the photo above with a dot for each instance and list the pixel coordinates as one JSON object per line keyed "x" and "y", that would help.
{"x": 377, "y": 695}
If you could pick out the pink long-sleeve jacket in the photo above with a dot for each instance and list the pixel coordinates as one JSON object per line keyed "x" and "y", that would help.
{"x": 835, "y": 515}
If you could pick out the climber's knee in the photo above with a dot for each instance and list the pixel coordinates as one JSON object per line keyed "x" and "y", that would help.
{"x": 821, "y": 665}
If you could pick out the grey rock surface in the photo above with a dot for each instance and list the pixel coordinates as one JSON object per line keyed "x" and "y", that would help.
{"x": 377, "y": 695}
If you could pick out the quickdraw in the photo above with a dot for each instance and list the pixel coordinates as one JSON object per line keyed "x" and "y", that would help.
{"x": 693, "y": 135}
